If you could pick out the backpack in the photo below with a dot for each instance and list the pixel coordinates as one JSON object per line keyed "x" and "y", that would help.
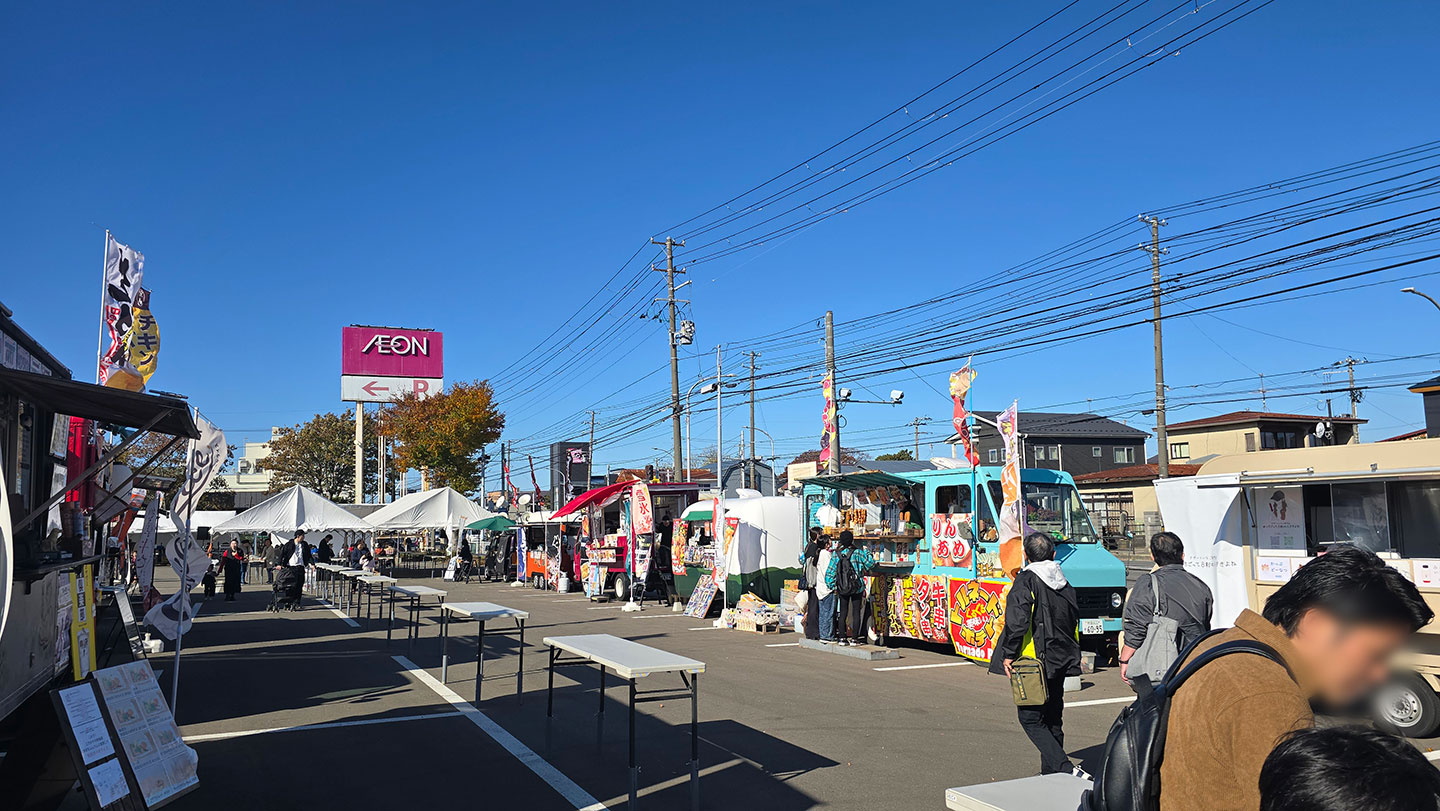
{"x": 1129, "y": 775}
{"x": 1161, "y": 648}
{"x": 847, "y": 581}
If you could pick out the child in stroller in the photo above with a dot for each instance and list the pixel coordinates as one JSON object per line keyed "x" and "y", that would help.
{"x": 286, "y": 582}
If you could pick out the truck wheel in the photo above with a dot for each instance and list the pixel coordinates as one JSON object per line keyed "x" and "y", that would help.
{"x": 1408, "y": 706}
{"x": 622, "y": 586}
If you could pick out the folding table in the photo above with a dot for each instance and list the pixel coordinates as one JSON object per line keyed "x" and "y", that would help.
{"x": 414, "y": 594}
{"x": 481, "y": 612}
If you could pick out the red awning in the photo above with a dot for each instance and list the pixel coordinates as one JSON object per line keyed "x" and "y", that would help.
{"x": 597, "y": 496}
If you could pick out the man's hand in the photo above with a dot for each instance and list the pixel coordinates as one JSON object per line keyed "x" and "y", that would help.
{"x": 1006, "y": 663}
{"x": 1124, "y": 666}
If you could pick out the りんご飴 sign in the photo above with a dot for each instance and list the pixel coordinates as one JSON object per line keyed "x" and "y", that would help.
{"x": 392, "y": 352}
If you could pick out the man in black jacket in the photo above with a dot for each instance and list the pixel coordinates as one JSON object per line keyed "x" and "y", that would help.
{"x": 295, "y": 556}
{"x": 1042, "y": 620}
{"x": 1183, "y": 597}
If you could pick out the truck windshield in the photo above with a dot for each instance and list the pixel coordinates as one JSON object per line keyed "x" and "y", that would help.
{"x": 1056, "y": 509}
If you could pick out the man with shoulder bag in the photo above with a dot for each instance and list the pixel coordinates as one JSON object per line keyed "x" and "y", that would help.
{"x": 1168, "y": 609}
{"x": 1041, "y": 637}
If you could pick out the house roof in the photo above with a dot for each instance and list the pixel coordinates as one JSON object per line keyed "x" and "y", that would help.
{"x": 1057, "y": 424}
{"x": 1247, "y": 417}
{"x": 1418, "y": 433}
{"x": 1433, "y": 384}
{"x": 1136, "y": 473}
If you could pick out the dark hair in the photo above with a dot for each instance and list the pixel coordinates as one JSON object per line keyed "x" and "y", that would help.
{"x": 1355, "y": 585}
{"x": 847, "y": 538}
{"x": 815, "y": 533}
{"x": 1347, "y": 768}
{"x": 1167, "y": 549}
{"x": 1038, "y": 547}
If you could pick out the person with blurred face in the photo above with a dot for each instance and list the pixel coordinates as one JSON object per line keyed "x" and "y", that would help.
{"x": 1335, "y": 625}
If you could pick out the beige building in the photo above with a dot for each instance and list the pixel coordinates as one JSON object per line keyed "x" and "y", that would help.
{"x": 1195, "y": 441}
{"x": 250, "y": 474}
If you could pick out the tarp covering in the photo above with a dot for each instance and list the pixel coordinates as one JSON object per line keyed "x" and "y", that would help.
{"x": 165, "y": 528}
{"x": 598, "y": 496}
{"x": 1211, "y": 521}
{"x": 445, "y": 508}
{"x": 100, "y": 403}
{"x": 292, "y": 510}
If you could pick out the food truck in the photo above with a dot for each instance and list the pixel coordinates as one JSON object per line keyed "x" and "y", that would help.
{"x": 604, "y": 526}
{"x": 765, "y": 551}
{"x": 934, "y": 581}
{"x": 1250, "y": 520}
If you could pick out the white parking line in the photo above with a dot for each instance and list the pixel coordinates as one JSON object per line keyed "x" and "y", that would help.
{"x": 702, "y": 628}
{"x": 567, "y": 788}
{"x": 922, "y": 667}
{"x": 1432, "y": 755}
{"x": 1098, "y": 701}
{"x": 783, "y": 645}
{"x": 341, "y": 614}
{"x": 360, "y": 722}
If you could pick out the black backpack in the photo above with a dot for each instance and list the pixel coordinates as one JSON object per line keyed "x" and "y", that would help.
{"x": 1129, "y": 775}
{"x": 847, "y": 581}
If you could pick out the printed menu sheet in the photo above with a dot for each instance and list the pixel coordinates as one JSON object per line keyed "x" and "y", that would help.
{"x": 87, "y": 722}
{"x": 164, "y": 766}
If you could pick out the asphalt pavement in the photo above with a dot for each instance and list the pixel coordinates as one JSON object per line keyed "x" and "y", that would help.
{"x": 310, "y": 709}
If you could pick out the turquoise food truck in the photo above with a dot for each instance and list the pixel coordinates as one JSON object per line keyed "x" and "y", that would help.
{"x": 943, "y": 574}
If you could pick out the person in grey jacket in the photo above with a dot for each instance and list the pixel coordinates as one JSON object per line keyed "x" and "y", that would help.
{"x": 1183, "y": 598}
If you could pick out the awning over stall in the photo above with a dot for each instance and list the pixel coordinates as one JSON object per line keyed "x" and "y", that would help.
{"x": 599, "y": 496}
{"x": 861, "y": 480}
{"x": 699, "y": 511}
{"x": 117, "y": 407}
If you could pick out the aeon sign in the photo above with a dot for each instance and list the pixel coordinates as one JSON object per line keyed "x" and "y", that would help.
{"x": 392, "y": 352}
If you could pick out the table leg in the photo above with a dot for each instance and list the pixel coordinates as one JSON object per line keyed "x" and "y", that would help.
{"x": 479, "y": 660}
{"x": 695, "y": 742}
{"x": 634, "y": 770}
{"x": 390, "y": 628}
{"x": 550, "y": 689}
{"x": 444, "y": 645}
{"x": 520, "y": 672}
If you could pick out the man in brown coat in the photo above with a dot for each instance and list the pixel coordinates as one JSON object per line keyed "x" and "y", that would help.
{"x": 1336, "y": 625}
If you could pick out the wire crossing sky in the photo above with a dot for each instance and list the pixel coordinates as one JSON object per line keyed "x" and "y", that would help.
{"x": 954, "y": 181}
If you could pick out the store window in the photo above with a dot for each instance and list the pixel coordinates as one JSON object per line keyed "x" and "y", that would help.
{"x": 1179, "y": 450}
{"x": 1125, "y": 456}
{"x": 1417, "y": 514}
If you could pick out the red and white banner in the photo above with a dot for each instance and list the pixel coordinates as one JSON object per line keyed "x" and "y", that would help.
{"x": 1010, "y": 521}
{"x": 123, "y": 272}
{"x": 642, "y": 510}
{"x": 827, "y": 421}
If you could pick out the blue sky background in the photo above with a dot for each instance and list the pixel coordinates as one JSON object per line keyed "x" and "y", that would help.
{"x": 288, "y": 169}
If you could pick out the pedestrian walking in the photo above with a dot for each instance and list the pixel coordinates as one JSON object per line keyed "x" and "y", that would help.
{"x": 845, "y": 575}
{"x": 1167, "y": 610}
{"x": 294, "y": 556}
{"x": 272, "y": 559}
{"x": 825, "y": 593}
{"x": 1042, "y": 621}
{"x": 810, "y": 570}
{"x": 232, "y": 563}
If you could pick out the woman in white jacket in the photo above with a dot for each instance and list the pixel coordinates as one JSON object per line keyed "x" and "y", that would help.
{"x": 826, "y": 595}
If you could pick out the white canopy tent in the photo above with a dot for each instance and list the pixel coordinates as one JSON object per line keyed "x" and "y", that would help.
{"x": 290, "y": 511}
{"x": 445, "y": 508}
{"x": 166, "y": 530}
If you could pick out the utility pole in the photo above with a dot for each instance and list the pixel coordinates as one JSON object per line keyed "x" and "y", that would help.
{"x": 1264, "y": 406}
{"x": 670, "y": 271}
{"x": 1349, "y": 364}
{"x": 750, "y": 472}
{"x": 917, "y": 422}
{"x": 834, "y": 466}
{"x": 359, "y": 453}
{"x": 719, "y": 434}
{"x": 591, "y": 465}
{"x": 1162, "y": 444}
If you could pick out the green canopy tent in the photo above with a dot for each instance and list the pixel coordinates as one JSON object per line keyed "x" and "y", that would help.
{"x": 494, "y": 522}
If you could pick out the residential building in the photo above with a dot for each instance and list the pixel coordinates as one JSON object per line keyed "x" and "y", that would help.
{"x": 1122, "y": 501}
{"x": 1075, "y": 443}
{"x": 250, "y": 479}
{"x": 1196, "y": 441}
{"x": 1430, "y": 390}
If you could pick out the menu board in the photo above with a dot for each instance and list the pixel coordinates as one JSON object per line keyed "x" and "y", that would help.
{"x": 164, "y": 766}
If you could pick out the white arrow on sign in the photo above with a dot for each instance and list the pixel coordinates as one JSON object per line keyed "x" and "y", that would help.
{"x": 369, "y": 389}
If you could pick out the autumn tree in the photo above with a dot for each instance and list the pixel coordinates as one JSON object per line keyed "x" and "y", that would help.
{"x": 445, "y": 432}
{"x": 320, "y": 454}
{"x": 170, "y": 466}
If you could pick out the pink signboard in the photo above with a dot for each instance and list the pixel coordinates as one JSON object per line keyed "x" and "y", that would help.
{"x": 392, "y": 352}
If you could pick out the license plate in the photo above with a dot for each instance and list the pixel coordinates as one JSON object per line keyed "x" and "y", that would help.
{"x": 1093, "y": 626}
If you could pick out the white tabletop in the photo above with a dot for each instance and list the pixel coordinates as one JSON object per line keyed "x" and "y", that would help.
{"x": 1049, "y": 792}
{"x": 330, "y": 567}
{"x": 419, "y": 591}
{"x": 629, "y": 660}
{"x": 351, "y": 572}
{"x": 485, "y": 611}
{"x": 376, "y": 579}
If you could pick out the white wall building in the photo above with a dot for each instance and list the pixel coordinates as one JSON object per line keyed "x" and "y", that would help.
{"x": 250, "y": 474}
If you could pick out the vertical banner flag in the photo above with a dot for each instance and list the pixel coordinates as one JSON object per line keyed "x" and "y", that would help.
{"x": 142, "y": 348}
{"x": 535, "y": 485}
{"x": 827, "y": 421}
{"x": 124, "y": 269}
{"x": 643, "y": 515}
{"x": 203, "y": 461}
{"x": 960, "y": 386}
{"x": 1010, "y": 557}
{"x": 145, "y": 552}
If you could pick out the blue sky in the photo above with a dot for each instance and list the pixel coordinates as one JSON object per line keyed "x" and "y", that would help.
{"x": 482, "y": 168}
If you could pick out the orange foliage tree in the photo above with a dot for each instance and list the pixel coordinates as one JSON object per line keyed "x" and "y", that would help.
{"x": 445, "y": 432}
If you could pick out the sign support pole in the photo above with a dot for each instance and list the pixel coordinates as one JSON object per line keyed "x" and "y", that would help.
{"x": 359, "y": 453}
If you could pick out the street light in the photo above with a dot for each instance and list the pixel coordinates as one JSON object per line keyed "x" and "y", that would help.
{"x": 772, "y": 457}
{"x": 1422, "y": 295}
{"x": 709, "y": 387}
